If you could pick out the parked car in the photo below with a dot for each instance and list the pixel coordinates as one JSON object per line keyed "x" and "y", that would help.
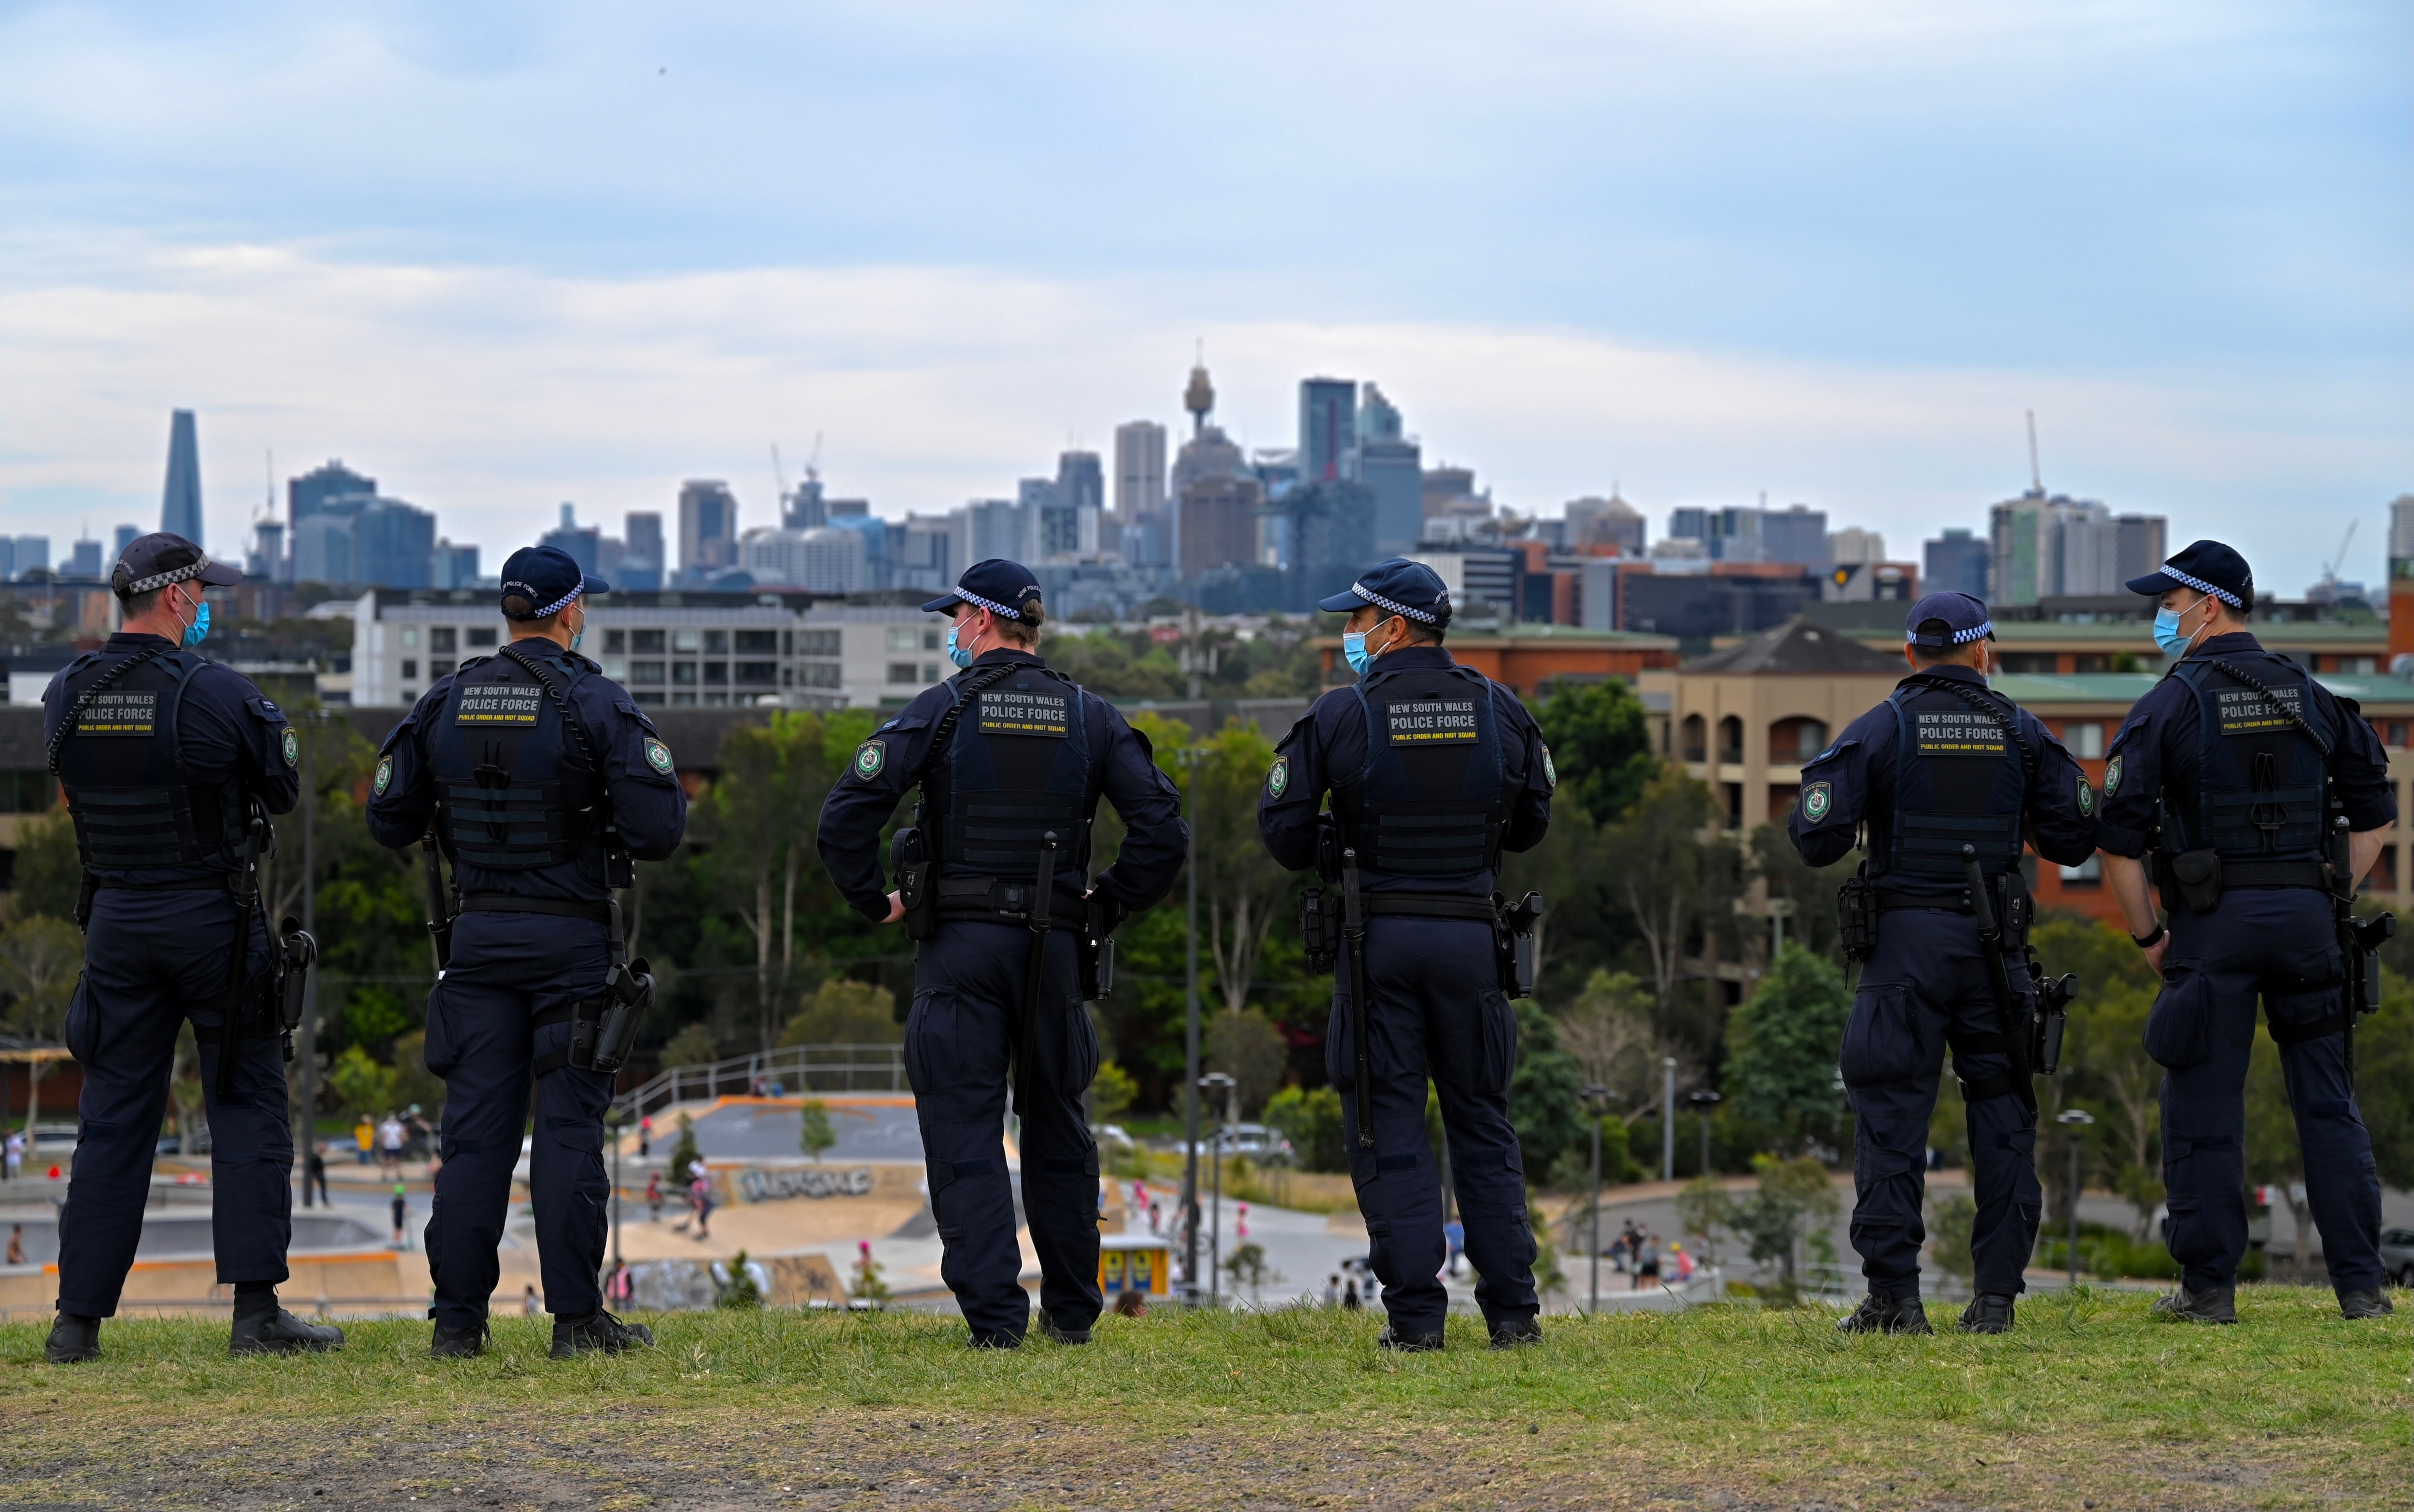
{"x": 2397, "y": 1254}
{"x": 1112, "y": 1136}
{"x": 1251, "y": 1141}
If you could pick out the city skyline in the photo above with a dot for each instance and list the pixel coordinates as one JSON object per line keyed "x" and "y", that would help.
{"x": 1693, "y": 254}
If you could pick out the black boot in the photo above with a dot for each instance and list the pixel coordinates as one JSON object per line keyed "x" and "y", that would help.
{"x": 457, "y": 1343}
{"x": 1991, "y": 1313}
{"x": 993, "y": 1338}
{"x": 2215, "y": 1304}
{"x": 1063, "y": 1335}
{"x": 263, "y": 1327}
{"x": 1886, "y": 1315}
{"x": 74, "y": 1339}
{"x": 598, "y": 1329}
{"x": 2370, "y": 1303}
{"x": 1408, "y": 1344}
{"x": 1522, "y": 1331}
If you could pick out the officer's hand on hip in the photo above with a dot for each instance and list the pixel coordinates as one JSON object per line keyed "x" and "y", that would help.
{"x": 895, "y": 908}
{"x": 2155, "y": 951}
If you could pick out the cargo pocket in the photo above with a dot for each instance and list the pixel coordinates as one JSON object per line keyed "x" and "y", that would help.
{"x": 1500, "y": 1044}
{"x": 80, "y": 1026}
{"x": 1340, "y": 1059}
{"x": 1882, "y": 1039}
{"x": 1081, "y": 1048}
{"x": 440, "y": 1052}
{"x": 2179, "y": 1028}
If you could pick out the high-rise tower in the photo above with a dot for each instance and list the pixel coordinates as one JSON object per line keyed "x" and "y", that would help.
{"x": 180, "y": 505}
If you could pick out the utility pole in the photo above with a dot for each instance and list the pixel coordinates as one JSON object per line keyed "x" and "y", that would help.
{"x": 1215, "y": 1081}
{"x": 2075, "y": 1120}
{"x": 1596, "y": 1101}
{"x": 1703, "y": 1102}
{"x": 1668, "y": 1118}
{"x": 1190, "y": 756}
{"x": 310, "y": 1141}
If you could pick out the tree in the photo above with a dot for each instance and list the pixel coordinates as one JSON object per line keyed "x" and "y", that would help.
{"x": 758, "y": 822}
{"x": 1248, "y": 1047}
{"x": 1310, "y": 1119}
{"x": 49, "y": 874}
{"x": 817, "y": 1134}
{"x": 1543, "y": 1102}
{"x": 2105, "y": 1067}
{"x": 845, "y": 1012}
{"x": 1110, "y": 1092}
{"x": 741, "y": 1293}
{"x": 1809, "y": 891}
{"x": 1782, "y": 1047}
{"x": 1242, "y": 893}
{"x": 1671, "y": 880}
{"x": 684, "y": 1153}
{"x": 1247, "y": 1265}
{"x": 691, "y": 1047}
{"x": 1950, "y": 1221}
{"x": 361, "y": 1085}
{"x": 1608, "y": 1029}
{"x": 1600, "y": 736}
{"x": 1771, "y": 1219}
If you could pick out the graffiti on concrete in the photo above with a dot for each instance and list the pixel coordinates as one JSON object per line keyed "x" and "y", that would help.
{"x": 771, "y": 1186}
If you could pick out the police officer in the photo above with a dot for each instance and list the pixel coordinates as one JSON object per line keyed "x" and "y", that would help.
{"x": 1006, "y": 753}
{"x": 1434, "y": 770}
{"x": 2236, "y": 771}
{"x": 168, "y": 759}
{"x": 1942, "y": 764}
{"x": 541, "y": 780}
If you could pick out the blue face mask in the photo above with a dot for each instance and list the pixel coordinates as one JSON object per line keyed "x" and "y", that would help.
{"x": 1353, "y": 649}
{"x": 2168, "y": 635}
{"x": 957, "y": 654}
{"x": 199, "y": 631}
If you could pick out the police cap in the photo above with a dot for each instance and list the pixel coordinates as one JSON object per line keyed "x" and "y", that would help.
{"x": 1397, "y": 586}
{"x": 546, "y": 580}
{"x": 2206, "y": 566}
{"x": 998, "y": 585}
{"x": 1962, "y": 618}
{"x": 154, "y": 561}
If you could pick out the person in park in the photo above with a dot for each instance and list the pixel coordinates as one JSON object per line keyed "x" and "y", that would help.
{"x": 542, "y": 781}
{"x": 172, "y": 765}
{"x": 1434, "y": 770}
{"x": 1012, "y": 759}
{"x": 1944, "y": 773}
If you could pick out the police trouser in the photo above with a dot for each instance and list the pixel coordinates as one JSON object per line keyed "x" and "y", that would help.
{"x": 968, "y": 989}
{"x": 150, "y": 959}
{"x": 1439, "y": 1015}
{"x": 508, "y": 969}
{"x": 2280, "y": 944}
{"x": 1926, "y": 985}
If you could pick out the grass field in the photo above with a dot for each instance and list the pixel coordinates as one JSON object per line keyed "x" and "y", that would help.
{"x": 2088, "y": 1404}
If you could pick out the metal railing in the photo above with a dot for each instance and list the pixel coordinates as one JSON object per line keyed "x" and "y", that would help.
{"x": 791, "y": 1068}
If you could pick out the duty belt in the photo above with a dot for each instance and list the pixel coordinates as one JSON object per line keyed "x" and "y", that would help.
{"x": 567, "y": 908}
{"x": 1950, "y": 902}
{"x": 1432, "y": 906}
{"x": 997, "y": 900}
{"x": 229, "y": 882}
{"x": 2261, "y": 874}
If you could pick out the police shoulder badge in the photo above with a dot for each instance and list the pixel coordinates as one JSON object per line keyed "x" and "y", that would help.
{"x": 2086, "y": 798}
{"x": 658, "y": 756}
{"x": 288, "y": 745}
{"x": 1816, "y": 800}
{"x": 1278, "y": 777}
{"x": 2112, "y": 777}
{"x": 1550, "y": 772}
{"x": 869, "y": 758}
{"x": 384, "y": 775}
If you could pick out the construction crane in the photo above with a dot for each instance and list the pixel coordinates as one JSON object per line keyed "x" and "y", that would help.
{"x": 2331, "y": 572}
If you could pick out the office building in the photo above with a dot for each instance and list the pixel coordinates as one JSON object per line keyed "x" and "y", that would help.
{"x": 641, "y": 551}
{"x": 311, "y": 493}
{"x": 323, "y": 550}
{"x": 1379, "y": 419}
{"x": 2051, "y": 546}
{"x": 932, "y": 554}
{"x": 1956, "y": 562}
{"x": 1328, "y": 539}
{"x": 2401, "y": 534}
{"x": 995, "y": 529}
{"x": 393, "y": 545}
{"x": 83, "y": 562}
{"x": 1328, "y": 428}
{"x": 1796, "y": 533}
{"x": 1855, "y": 547}
{"x": 1218, "y": 521}
{"x": 266, "y": 559}
{"x": 1140, "y": 469}
{"x": 180, "y": 503}
{"x": 1081, "y": 488}
{"x": 33, "y": 554}
{"x": 801, "y": 508}
{"x": 583, "y": 543}
{"x": 1594, "y": 523}
{"x": 456, "y": 566}
{"x": 127, "y": 536}
{"x": 707, "y": 524}
{"x": 1392, "y": 474}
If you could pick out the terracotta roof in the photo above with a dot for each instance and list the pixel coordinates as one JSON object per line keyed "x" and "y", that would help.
{"x": 1797, "y": 646}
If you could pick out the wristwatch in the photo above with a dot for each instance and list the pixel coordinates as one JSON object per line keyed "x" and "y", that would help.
{"x": 2150, "y": 941}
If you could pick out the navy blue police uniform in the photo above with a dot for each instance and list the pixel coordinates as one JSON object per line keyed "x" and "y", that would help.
{"x": 166, "y": 759}
{"x": 1943, "y": 763}
{"x": 2230, "y": 776}
{"x": 1026, "y": 751}
{"x": 542, "y": 780}
{"x": 1434, "y": 770}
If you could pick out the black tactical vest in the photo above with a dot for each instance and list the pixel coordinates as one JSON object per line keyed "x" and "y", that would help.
{"x": 1961, "y": 777}
{"x": 1016, "y": 766}
{"x": 1431, "y": 801}
{"x": 2259, "y": 779}
{"x": 512, "y": 792}
{"x": 135, "y": 807}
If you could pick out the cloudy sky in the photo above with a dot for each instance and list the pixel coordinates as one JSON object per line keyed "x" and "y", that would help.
{"x": 505, "y": 256}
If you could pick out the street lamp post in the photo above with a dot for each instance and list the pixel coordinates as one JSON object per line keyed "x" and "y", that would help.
{"x": 1214, "y": 1081}
{"x": 309, "y": 984}
{"x": 2074, "y": 1119}
{"x": 1703, "y": 1102}
{"x": 612, "y": 1123}
{"x": 1596, "y": 1101}
{"x": 1668, "y": 1118}
{"x": 1190, "y": 759}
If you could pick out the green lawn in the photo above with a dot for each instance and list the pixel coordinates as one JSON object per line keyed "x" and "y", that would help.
{"x": 2091, "y": 1403}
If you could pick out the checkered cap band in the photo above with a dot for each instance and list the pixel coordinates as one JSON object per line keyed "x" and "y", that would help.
{"x": 1984, "y": 628}
{"x": 1380, "y": 602}
{"x": 978, "y": 600}
{"x": 556, "y": 607}
{"x": 2201, "y": 586}
{"x": 160, "y": 580}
